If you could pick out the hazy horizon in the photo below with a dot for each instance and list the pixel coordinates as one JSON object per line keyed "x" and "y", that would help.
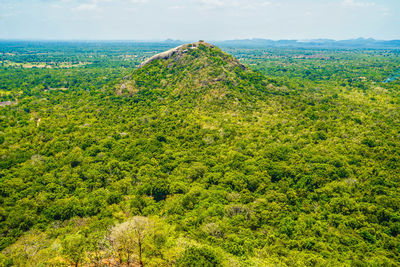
{"x": 214, "y": 20}
{"x": 184, "y": 40}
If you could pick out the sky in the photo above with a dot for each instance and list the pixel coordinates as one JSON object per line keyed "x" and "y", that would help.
{"x": 198, "y": 19}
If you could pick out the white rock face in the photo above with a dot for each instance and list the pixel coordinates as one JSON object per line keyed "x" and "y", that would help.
{"x": 177, "y": 50}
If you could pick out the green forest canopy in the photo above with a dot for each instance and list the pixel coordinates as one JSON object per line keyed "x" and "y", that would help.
{"x": 293, "y": 160}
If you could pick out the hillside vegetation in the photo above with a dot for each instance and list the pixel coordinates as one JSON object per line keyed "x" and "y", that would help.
{"x": 198, "y": 160}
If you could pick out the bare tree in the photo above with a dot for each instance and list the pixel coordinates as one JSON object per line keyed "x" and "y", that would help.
{"x": 128, "y": 238}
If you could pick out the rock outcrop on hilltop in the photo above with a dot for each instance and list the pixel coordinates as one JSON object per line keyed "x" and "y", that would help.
{"x": 175, "y": 51}
{"x": 194, "y": 73}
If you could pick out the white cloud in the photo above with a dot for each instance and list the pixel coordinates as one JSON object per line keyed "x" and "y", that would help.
{"x": 56, "y": 6}
{"x": 267, "y": 3}
{"x": 138, "y": 1}
{"x": 99, "y": 5}
{"x": 176, "y": 7}
{"x": 3, "y": 16}
{"x": 212, "y": 3}
{"x": 91, "y": 5}
{"x": 385, "y": 11}
{"x": 353, "y": 3}
{"x": 87, "y": 7}
{"x": 239, "y": 4}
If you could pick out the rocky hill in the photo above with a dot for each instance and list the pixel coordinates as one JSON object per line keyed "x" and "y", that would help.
{"x": 200, "y": 71}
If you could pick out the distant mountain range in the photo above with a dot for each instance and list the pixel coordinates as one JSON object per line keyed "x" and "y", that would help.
{"x": 312, "y": 43}
{"x": 359, "y": 43}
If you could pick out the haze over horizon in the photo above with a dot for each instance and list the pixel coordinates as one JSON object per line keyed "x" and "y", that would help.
{"x": 198, "y": 19}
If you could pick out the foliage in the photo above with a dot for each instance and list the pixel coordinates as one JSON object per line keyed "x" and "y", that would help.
{"x": 73, "y": 248}
{"x": 291, "y": 161}
{"x": 194, "y": 256}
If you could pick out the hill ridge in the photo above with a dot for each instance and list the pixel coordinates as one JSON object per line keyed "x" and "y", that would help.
{"x": 176, "y": 50}
{"x": 199, "y": 71}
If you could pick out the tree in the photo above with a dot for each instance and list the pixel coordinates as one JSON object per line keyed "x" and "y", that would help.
{"x": 97, "y": 248}
{"x": 128, "y": 239}
{"x": 73, "y": 248}
{"x": 194, "y": 256}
